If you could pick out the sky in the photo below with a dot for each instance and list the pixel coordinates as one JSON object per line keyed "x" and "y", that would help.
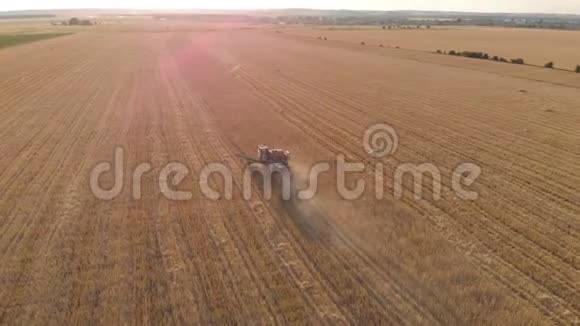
{"x": 524, "y": 6}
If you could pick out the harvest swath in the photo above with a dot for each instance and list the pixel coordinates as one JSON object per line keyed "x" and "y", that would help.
{"x": 201, "y": 95}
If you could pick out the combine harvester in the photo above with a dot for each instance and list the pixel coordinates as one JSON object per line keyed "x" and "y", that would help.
{"x": 267, "y": 156}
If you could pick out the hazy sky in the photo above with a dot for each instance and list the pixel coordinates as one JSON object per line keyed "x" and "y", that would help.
{"x": 543, "y": 6}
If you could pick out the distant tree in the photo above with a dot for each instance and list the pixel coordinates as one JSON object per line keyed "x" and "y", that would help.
{"x": 518, "y": 61}
{"x": 74, "y": 21}
{"x": 578, "y": 69}
{"x": 475, "y": 55}
{"x": 384, "y": 27}
{"x": 452, "y": 52}
{"x": 495, "y": 58}
{"x": 362, "y": 43}
{"x": 549, "y": 65}
{"x": 428, "y": 26}
{"x": 503, "y": 60}
{"x": 78, "y": 22}
{"x": 439, "y": 51}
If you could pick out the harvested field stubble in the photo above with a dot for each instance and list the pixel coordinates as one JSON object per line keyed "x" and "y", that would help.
{"x": 537, "y": 46}
{"x": 196, "y": 97}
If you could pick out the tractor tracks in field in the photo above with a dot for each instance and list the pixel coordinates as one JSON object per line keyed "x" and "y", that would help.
{"x": 54, "y": 214}
{"x": 507, "y": 233}
{"x": 41, "y": 178}
{"x": 451, "y": 135}
{"x": 248, "y": 251}
{"x": 242, "y": 266}
{"x": 212, "y": 149}
{"x": 370, "y": 269}
{"x": 72, "y": 257}
{"x": 31, "y": 89}
{"x": 571, "y": 272}
{"x": 30, "y": 178}
{"x": 565, "y": 200}
{"x": 280, "y": 239}
{"x": 334, "y": 143}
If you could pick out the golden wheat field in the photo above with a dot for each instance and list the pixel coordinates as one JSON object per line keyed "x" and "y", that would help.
{"x": 536, "y": 46}
{"x": 198, "y": 95}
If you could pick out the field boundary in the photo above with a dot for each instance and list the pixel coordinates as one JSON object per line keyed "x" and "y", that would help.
{"x": 483, "y": 69}
{"x": 12, "y": 40}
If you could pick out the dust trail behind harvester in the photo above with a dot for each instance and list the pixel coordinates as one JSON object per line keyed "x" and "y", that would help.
{"x": 308, "y": 215}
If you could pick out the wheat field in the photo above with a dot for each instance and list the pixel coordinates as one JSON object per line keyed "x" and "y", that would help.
{"x": 200, "y": 95}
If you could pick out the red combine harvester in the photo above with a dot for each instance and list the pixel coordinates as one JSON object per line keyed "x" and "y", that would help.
{"x": 267, "y": 156}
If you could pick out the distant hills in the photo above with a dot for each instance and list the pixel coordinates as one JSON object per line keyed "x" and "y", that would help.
{"x": 339, "y": 17}
{"x": 280, "y": 12}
